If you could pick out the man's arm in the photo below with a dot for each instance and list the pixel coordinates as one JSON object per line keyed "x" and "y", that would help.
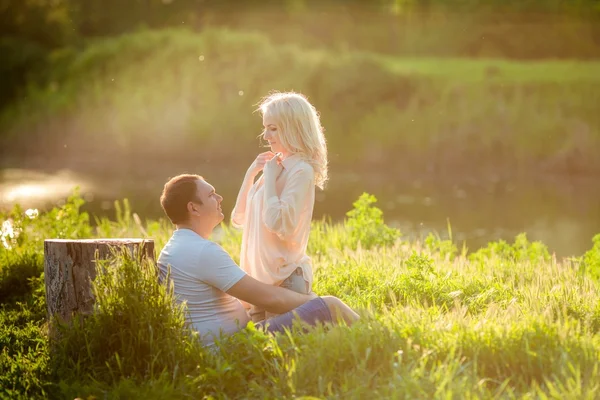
{"x": 272, "y": 298}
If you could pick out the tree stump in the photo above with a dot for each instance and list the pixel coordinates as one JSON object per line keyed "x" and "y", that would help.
{"x": 70, "y": 267}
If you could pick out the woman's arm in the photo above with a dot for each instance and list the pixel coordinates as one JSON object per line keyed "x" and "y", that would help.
{"x": 238, "y": 215}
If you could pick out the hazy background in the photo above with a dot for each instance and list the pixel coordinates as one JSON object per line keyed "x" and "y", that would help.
{"x": 482, "y": 113}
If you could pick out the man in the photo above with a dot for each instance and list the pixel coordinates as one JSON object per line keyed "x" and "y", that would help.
{"x": 205, "y": 276}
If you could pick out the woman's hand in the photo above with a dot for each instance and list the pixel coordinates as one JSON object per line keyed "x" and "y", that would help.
{"x": 260, "y": 161}
{"x": 272, "y": 168}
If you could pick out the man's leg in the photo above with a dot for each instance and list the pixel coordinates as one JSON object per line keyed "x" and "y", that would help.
{"x": 257, "y": 314}
{"x": 340, "y": 310}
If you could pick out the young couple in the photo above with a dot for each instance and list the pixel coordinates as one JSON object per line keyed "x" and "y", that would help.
{"x": 274, "y": 284}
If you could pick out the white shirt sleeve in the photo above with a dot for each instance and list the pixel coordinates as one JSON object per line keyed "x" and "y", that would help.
{"x": 217, "y": 268}
{"x": 280, "y": 214}
{"x": 238, "y": 219}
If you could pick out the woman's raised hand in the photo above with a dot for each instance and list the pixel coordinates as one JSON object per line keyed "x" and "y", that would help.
{"x": 272, "y": 167}
{"x": 260, "y": 161}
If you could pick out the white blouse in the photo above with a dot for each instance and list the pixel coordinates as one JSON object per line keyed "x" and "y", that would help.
{"x": 276, "y": 230}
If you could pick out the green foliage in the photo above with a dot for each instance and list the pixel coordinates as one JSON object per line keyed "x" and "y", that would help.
{"x": 251, "y": 363}
{"x": 137, "y": 329}
{"x": 107, "y": 95}
{"x": 522, "y": 250}
{"x": 65, "y": 222}
{"x": 24, "y": 358}
{"x": 365, "y": 224}
{"x": 508, "y": 321}
{"x": 16, "y": 268}
{"x": 445, "y": 248}
{"x": 64, "y": 21}
{"x": 230, "y": 239}
{"x": 411, "y": 280}
{"x": 129, "y": 224}
{"x": 591, "y": 259}
{"x": 46, "y": 22}
{"x": 22, "y": 240}
{"x": 21, "y": 60}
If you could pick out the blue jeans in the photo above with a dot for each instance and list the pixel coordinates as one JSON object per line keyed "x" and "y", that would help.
{"x": 311, "y": 312}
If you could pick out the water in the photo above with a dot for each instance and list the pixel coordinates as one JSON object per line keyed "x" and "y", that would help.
{"x": 564, "y": 214}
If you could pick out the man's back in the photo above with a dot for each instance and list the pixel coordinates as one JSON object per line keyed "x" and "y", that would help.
{"x": 202, "y": 272}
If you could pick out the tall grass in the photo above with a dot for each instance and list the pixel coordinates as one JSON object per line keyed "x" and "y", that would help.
{"x": 505, "y": 321}
{"x": 159, "y": 93}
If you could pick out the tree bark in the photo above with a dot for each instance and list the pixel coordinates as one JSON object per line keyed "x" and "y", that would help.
{"x": 70, "y": 266}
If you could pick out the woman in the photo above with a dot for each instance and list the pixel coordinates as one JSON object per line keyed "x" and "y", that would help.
{"x": 275, "y": 212}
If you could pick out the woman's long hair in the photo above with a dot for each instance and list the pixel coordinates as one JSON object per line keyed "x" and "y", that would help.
{"x": 299, "y": 129}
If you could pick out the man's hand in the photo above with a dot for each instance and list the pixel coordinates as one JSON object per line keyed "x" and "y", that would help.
{"x": 312, "y": 296}
{"x": 274, "y": 299}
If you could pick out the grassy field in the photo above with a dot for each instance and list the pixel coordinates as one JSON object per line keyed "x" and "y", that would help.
{"x": 498, "y": 70}
{"x": 505, "y": 321}
{"x": 158, "y": 94}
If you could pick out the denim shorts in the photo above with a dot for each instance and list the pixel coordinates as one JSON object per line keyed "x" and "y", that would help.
{"x": 311, "y": 313}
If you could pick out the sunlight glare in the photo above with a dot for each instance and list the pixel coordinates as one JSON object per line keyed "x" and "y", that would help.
{"x": 33, "y": 190}
{"x": 27, "y": 191}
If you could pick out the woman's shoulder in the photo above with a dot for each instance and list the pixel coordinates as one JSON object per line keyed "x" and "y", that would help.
{"x": 303, "y": 167}
{"x": 300, "y": 167}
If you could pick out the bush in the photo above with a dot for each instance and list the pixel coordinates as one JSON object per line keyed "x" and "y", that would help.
{"x": 522, "y": 250}
{"x": 365, "y": 224}
{"x": 591, "y": 259}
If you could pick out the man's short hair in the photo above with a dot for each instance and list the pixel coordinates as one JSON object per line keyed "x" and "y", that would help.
{"x": 176, "y": 194}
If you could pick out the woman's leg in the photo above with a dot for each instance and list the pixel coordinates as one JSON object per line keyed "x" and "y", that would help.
{"x": 294, "y": 282}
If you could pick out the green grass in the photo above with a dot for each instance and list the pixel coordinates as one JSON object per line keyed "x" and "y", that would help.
{"x": 498, "y": 70}
{"x": 158, "y": 94}
{"x": 505, "y": 321}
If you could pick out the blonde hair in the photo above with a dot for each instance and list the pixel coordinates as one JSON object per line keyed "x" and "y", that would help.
{"x": 300, "y": 130}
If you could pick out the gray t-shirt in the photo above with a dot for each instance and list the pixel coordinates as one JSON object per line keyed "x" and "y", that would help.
{"x": 202, "y": 272}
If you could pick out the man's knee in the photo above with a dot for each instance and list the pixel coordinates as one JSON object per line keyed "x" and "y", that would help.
{"x": 333, "y": 301}
{"x": 339, "y": 310}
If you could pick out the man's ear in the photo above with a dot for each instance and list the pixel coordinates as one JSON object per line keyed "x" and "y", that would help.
{"x": 190, "y": 207}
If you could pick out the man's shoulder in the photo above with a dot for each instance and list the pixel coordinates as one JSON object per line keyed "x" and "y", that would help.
{"x": 188, "y": 242}
{"x": 213, "y": 252}
{"x": 183, "y": 244}
{"x": 210, "y": 247}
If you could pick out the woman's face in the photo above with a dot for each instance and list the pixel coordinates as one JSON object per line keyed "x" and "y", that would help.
{"x": 271, "y": 135}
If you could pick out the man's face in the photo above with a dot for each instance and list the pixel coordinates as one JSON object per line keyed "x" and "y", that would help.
{"x": 210, "y": 209}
